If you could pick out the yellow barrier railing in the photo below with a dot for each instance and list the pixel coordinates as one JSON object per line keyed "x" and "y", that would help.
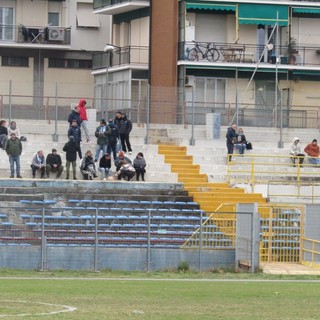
{"x": 311, "y": 248}
{"x": 281, "y": 230}
{"x": 263, "y": 168}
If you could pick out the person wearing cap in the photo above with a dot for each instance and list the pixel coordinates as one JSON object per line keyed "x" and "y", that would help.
{"x": 295, "y": 152}
{"x": 121, "y": 157}
{"x": 38, "y": 163}
{"x": 71, "y": 148}
{"x": 84, "y": 118}
{"x": 102, "y": 134}
{"x": 313, "y": 151}
{"x": 14, "y": 150}
{"x": 54, "y": 164}
{"x": 105, "y": 166}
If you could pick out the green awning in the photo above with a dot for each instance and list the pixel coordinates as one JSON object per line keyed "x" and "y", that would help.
{"x": 306, "y": 10}
{"x": 211, "y": 6}
{"x": 265, "y": 14}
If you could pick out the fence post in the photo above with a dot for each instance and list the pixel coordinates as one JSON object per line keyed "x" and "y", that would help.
{"x": 200, "y": 242}
{"x": 43, "y": 241}
{"x": 146, "y": 139}
{"x": 55, "y": 136}
{"x": 10, "y": 100}
{"x": 96, "y": 242}
{"x": 149, "y": 243}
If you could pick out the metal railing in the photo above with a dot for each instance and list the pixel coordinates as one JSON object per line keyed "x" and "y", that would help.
{"x": 35, "y": 34}
{"x": 311, "y": 247}
{"x": 121, "y": 56}
{"x": 230, "y": 52}
{"x": 261, "y": 168}
{"x": 104, "y": 3}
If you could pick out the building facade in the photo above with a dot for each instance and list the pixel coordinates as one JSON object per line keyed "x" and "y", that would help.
{"x": 46, "y": 52}
{"x": 251, "y": 62}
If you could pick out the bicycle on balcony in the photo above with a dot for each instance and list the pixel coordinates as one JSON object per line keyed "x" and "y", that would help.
{"x": 203, "y": 50}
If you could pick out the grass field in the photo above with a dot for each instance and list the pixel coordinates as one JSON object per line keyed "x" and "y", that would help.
{"x": 33, "y": 295}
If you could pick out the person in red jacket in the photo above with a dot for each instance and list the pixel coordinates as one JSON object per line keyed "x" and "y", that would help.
{"x": 84, "y": 118}
{"x": 313, "y": 150}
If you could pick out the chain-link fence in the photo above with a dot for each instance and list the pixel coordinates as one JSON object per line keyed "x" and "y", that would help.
{"x": 144, "y": 104}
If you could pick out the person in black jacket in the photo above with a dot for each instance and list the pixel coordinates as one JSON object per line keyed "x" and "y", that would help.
{"x": 88, "y": 168}
{"x": 105, "y": 166}
{"x": 113, "y": 139}
{"x": 241, "y": 141}
{"x": 124, "y": 127}
{"x": 54, "y": 163}
{"x": 71, "y": 148}
{"x": 231, "y": 137}
{"x": 75, "y": 115}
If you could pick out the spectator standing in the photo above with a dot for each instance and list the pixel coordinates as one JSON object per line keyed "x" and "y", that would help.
{"x": 139, "y": 163}
{"x": 231, "y": 138}
{"x": 313, "y": 150}
{"x": 105, "y": 166}
{"x": 75, "y": 115}
{"x": 295, "y": 152}
{"x": 14, "y": 150}
{"x": 72, "y": 148}
{"x": 3, "y": 134}
{"x": 88, "y": 168}
{"x": 75, "y": 131}
{"x": 54, "y": 164}
{"x": 13, "y": 129}
{"x": 84, "y": 118}
{"x": 240, "y": 141}
{"x": 120, "y": 157}
{"x": 38, "y": 163}
{"x": 113, "y": 139}
{"x": 102, "y": 133}
{"x": 124, "y": 127}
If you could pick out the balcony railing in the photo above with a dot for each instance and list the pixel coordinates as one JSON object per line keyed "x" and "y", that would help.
{"x": 212, "y": 52}
{"x": 35, "y": 34}
{"x": 121, "y": 56}
{"x": 105, "y": 3}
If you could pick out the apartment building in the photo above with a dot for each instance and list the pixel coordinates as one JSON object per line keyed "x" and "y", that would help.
{"x": 46, "y": 51}
{"x": 253, "y": 62}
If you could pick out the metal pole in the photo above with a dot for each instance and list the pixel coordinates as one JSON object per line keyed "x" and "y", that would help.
{"x": 146, "y": 139}
{"x": 96, "y": 241}
{"x": 237, "y": 104}
{"x": 106, "y": 102}
{"x": 149, "y": 243}
{"x": 192, "y": 141}
{"x": 42, "y": 240}
{"x": 200, "y": 242}
{"x": 10, "y": 100}
{"x": 55, "y": 136}
{"x": 280, "y": 143}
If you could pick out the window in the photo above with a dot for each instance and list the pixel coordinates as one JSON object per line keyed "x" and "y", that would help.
{"x": 85, "y": 17}
{"x": 70, "y": 63}
{"x": 6, "y": 23}
{"x": 15, "y": 61}
{"x": 53, "y": 19}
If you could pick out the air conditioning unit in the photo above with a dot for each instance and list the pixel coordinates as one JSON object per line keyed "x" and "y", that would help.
{"x": 56, "y": 34}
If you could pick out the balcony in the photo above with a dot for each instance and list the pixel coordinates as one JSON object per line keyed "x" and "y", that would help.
{"x": 130, "y": 55}
{"x": 112, "y": 7}
{"x": 34, "y": 36}
{"x": 229, "y": 53}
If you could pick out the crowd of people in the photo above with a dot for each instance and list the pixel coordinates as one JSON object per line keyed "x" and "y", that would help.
{"x": 112, "y": 140}
{"x": 236, "y": 140}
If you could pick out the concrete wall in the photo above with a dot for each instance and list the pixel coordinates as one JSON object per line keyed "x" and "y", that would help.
{"x": 80, "y": 258}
